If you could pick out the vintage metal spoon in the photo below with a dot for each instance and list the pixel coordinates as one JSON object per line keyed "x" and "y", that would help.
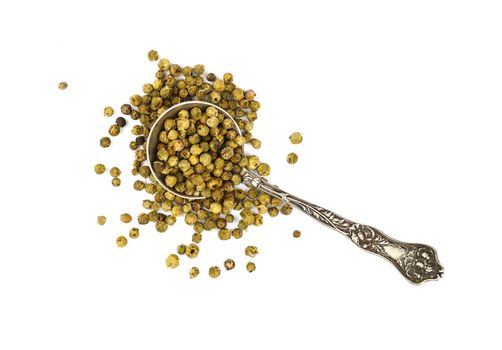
{"x": 416, "y": 262}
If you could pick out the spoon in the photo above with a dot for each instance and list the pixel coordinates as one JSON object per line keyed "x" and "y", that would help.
{"x": 416, "y": 262}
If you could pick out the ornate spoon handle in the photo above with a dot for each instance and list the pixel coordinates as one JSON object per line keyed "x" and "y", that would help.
{"x": 416, "y": 262}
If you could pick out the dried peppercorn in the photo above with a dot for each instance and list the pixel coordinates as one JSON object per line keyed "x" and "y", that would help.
{"x": 121, "y": 241}
{"x": 251, "y": 251}
{"x": 296, "y": 233}
{"x": 101, "y": 220}
{"x": 114, "y": 130}
{"x": 121, "y": 122}
{"x": 62, "y": 85}
{"x": 292, "y": 158}
{"x": 172, "y": 261}
{"x": 115, "y": 172}
{"x": 181, "y": 249}
{"x": 125, "y": 218}
{"x": 116, "y": 182}
{"x": 153, "y": 55}
{"x": 214, "y": 271}
{"x": 250, "y": 266}
{"x": 105, "y": 142}
{"x": 108, "y": 111}
{"x": 296, "y": 138}
{"x": 194, "y": 272}
{"x": 197, "y": 237}
{"x": 192, "y": 250}
{"x": 134, "y": 232}
{"x": 229, "y": 264}
{"x": 99, "y": 169}
{"x": 286, "y": 209}
{"x": 126, "y": 109}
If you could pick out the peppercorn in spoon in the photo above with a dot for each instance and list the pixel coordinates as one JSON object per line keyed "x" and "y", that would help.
{"x": 209, "y": 143}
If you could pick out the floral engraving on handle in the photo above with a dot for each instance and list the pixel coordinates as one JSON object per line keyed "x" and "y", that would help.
{"x": 416, "y": 262}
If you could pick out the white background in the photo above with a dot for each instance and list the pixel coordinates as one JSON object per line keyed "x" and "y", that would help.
{"x": 400, "y": 106}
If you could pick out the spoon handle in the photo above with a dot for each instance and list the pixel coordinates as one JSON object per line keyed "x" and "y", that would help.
{"x": 416, "y": 262}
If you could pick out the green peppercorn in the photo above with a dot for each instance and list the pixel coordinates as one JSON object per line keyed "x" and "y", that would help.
{"x": 181, "y": 249}
{"x": 286, "y": 209}
{"x": 125, "y": 218}
{"x": 143, "y": 219}
{"x": 134, "y": 233}
{"x": 172, "y": 261}
{"x": 296, "y": 138}
{"x": 153, "y": 55}
{"x": 194, "y": 272}
{"x": 264, "y": 169}
{"x": 121, "y": 241}
{"x": 101, "y": 220}
{"x": 161, "y": 226}
{"x": 296, "y": 234}
{"x": 192, "y": 250}
{"x": 214, "y": 271}
{"x": 114, "y": 130}
{"x": 99, "y": 169}
{"x": 292, "y": 158}
{"x": 237, "y": 233}
{"x": 229, "y": 264}
{"x": 251, "y": 251}
{"x": 197, "y": 237}
{"x": 62, "y": 85}
{"x": 139, "y": 185}
{"x": 121, "y": 122}
{"x": 116, "y": 182}
{"x": 250, "y": 266}
{"x": 105, "y": 142}
{"x": 224, "y": 234}
{"x": 115, "y": 172}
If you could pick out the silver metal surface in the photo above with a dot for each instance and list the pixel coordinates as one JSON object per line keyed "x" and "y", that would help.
{"x": 416, "y": 262}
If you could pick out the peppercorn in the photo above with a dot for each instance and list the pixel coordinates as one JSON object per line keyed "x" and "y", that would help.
{"x": 62, "y": 85}
{"x": 153, "y": 55}
{"x": 194, "y": 272}
{"x": 121, "y": 241}
{"x": 161, "y": 226}
{"x": 172, "y": 261}
{"x": 286, "y": 209}
{"x": 181, "y": 249}
{"x": 139, "y": 185}
{"x": 196, "y": 237}
{"x": 214, "y": 271}
{"x": 255, "y": 143}
{"x": 116, "y": 182}
{"x": 296, "y": 234}
{"x": 229, "y": 264}
{"x": 192, "y": 250}
{"x": 125, "y": 218}
{"x": 292, "y": 158}
{"x": 126, "y": 109}
{"x": 224, "y": 234}
{"x": 105, "y": 142}
{"x": 143, "y": 219}
{"x": 101, "y": 220}
{"x": 251, "y": 251}
{"x": 114, "y": 130}
{"x": 264, "y": 169}
{"x": 99, "y": 169}
{"x": 140, "y": 140}
{"x": 121, "y": 122}
{"x": 134, "y": 233}
{"x": 250, "y": 266}
{"x": 115, "y": 172}
{"x": 296, "y": 138}
{"x": 237, "y": 233}
{"x": 108, "y": 111}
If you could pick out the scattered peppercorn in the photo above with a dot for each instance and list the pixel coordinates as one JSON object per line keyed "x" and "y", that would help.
{"x": 105, "y": 142}
{"x": 114, "y": 130}
{"x": 115, "y": 172}
{"x": 194, "y": 272}
{"x": 125, "y": 218}
{"x": 108, "y": 111}
{"x": 181, "y": 249}
{"x": 296, "y": 138}
{"x": 251, "y": 251}
{"x": 134, "y": 233}
{"x": 292, "y": 158}
{"x": 172, "y": 261}
{"x": 214, "y": 271}
{"x": 116, "y": 182}
{"x": 121, "y": 241}
{"x": 250, "y": 266}
{"x": 121, "y": 122}
{"x": 62, "y": 85}
{"x": 229, "y": 264}
{"x": 153, "y": 55}
{"x": 296, "y": 234}
{"x": 99, "y": 169}
{"x": 101, "y": 220}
